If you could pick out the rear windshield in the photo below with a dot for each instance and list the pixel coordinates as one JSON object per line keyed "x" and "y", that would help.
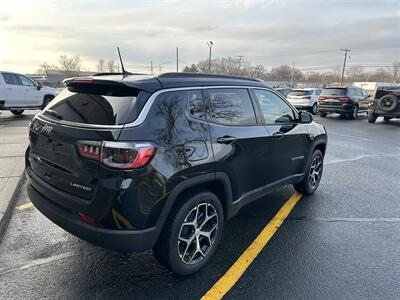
{"x": 387, "y": 90}
{"x": 96, "y": 109}
{"x": 300, "y": 93}
{"x": 334, "y": 92}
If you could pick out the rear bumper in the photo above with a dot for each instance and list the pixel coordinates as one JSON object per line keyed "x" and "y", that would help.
{"x": 345, "y": 108}
{"x": 119, "y": 240}
{"x": 391, "y": 114}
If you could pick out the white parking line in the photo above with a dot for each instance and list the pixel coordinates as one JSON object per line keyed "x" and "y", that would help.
{"x": 334, "y": 161}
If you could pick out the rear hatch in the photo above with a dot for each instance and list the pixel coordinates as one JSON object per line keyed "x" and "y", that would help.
{"x": 300, "y": 97}
{"x": 333, "y": 96}
{"x": 71, "y": 129}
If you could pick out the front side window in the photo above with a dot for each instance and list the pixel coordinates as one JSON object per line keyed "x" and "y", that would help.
{"x": 26, "y": 81}
{"x": 230, "y": 106}
{"x": 274, "y": 109}
{"x": 10, "y": 78}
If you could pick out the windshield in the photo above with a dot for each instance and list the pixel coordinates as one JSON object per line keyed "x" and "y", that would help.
{"x": 96, "y": 109}
{"x": 300, "y": 93}
{"x": 334, "y": 92}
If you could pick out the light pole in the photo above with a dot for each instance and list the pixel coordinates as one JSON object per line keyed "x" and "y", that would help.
{"x": 210, "y": 44}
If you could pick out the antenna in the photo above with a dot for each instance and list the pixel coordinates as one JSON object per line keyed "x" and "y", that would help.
{"x": 124, "y": 72}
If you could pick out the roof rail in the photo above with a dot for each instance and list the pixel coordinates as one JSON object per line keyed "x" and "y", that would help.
{"x": 116, "y": 73}
{"x": 205, "y": 75}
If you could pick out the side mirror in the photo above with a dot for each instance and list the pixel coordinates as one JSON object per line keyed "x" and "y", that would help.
{"x": 39, "y": 86}
{"x": 305, "y": 117}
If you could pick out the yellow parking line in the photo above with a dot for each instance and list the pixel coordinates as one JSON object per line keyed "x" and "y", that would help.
{"x": 24, "y": 206}
{"x": 228, "y": 280}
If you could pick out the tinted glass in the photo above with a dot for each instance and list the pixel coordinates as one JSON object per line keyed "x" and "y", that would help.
{"x": 10, "y": 78}
{"x": 334, "y": 92}
{"x": 300, "y": 93}
{"x": 274, "y": 109}
{"x": 26, "y": 81}
{"x": 230, "y": 106}
{"x": 317, "y": 92}
{"x": 96, "y": 109}
{"x": 196, "y": 104}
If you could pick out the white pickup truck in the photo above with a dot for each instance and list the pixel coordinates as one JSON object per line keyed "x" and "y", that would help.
{"x": 18, "y": 93}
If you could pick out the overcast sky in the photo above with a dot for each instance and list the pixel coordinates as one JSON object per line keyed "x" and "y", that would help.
{"x": 271, "y": 33}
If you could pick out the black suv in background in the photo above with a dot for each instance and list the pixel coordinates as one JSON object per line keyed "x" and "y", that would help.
{"x": 133, "y": 163}
{"x": 385, "y": 103}
{"x": 346, "y": 101}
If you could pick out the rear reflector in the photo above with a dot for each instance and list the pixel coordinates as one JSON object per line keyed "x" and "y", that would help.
{"x": 90, "y": 220}
{"x": 119, "y": 155}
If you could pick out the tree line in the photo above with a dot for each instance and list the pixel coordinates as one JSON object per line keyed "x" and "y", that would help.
{"x": 238, "y": 66}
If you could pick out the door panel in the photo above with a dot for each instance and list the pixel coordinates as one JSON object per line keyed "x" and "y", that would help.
{"x": 14, "y": 91}
{"x": 287, "y": 141}
{"x": 239, "y": 144}
{"x": 33, "y": 96}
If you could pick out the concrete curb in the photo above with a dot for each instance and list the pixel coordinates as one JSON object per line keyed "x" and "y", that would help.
{"x": 9, "y": 194}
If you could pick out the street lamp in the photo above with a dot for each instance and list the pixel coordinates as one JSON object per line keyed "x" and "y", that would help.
{"x": 210, "y": 44}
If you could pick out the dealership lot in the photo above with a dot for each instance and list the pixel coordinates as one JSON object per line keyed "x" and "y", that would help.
{"x": 342, "y": 242}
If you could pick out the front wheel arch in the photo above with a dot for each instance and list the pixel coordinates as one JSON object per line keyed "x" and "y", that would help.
{"x": 46, "y": 99}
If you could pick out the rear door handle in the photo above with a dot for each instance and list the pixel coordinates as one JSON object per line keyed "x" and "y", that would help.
{"x": 226, "y": 139}
{"x": 278, "y": 135}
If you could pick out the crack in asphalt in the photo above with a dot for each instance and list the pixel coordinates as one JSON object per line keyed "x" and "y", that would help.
{"x": 37, "y": 262}
{"x": 334, "y": 161}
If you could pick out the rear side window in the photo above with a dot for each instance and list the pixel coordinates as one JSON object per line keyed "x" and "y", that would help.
{"x": 229, "y": 106}
{"x": 10, "y": 78}
{"x": 300, "y": 93}
{"x": 196, "y": 104}
{"x": 96, "y": 109}
{"x": 334, "y": 92}
{"x": 317, "y": 92}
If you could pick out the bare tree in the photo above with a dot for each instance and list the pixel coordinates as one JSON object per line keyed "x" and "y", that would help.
{"x": 111, "y": 67}
{"x": 101, "y": 66}
{"x": 44, "y": 68}
{"x": 394, "y": 71}
{"x": 355, "y": 73}
{"x": 70, "y": 65}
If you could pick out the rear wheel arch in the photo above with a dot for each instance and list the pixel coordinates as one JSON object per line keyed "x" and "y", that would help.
{"x": 46, "y": 99}
{"x": 217, "y": 183}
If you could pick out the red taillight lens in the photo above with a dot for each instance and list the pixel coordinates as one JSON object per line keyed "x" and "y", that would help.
{"x": 344, "y": 99}
{"x": 307, "y": 97}
{"x": 89, "y": 149}
{"x": 120, "y": 155}
{"x": 90, "y": 220}
{"x": 321, "y": 98}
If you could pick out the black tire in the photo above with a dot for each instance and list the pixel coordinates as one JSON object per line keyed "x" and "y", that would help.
{"x": 372, "y": 117}
{"x": 314, "y": 109}
{"x": 323, "y": 114}
{"x": 343, "y": 116}
{"x": 387, "y": 119}
{"x": 307, "y": 186}
{"x": 17, "y": 112}
{"x": 46, "y": 101}
{"x": 354, "y": 114}
{"x": 170, "y": 245}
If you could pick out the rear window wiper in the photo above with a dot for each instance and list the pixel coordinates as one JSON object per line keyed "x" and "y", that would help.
{"x": 54, "y": 114}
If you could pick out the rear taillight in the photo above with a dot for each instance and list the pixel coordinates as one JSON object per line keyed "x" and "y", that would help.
{"x": 344, "y": 99}
{"x": 120, "y": 155}
{"x": 307, "y": 97}
{"x": 321, "y": 98}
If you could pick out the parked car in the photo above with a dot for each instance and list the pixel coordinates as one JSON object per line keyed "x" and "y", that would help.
{"x": 284, "y": 91}
{"x": 132, "y": 163}
{"x": 306, "y": 99}
{"x": 346, "y": 101}
{"x": 19, "y": 92}
{"x": 384, "y": 103}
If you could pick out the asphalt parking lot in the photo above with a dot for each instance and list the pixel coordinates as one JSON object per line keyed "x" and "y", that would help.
{"x": 342, "y": 242}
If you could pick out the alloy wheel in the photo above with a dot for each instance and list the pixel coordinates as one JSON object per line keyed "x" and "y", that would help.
{"x": 197, "y": 234}
{"x": 315, "y": 171}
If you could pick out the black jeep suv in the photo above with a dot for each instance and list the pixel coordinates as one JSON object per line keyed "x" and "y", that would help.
{"x": 133, "y": 163}
{"x": 346, "y": 101}
{"x": 385, "y": 103}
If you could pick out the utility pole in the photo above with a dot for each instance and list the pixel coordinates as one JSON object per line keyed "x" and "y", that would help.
{"x": 151, "y": 67}
{"x": 177, "y": 59}
{"x": 210, "y": 44}
{"x": 292, "y": 76}
{"x": 344, "y": 63}
{"x": 240, "y": 63}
